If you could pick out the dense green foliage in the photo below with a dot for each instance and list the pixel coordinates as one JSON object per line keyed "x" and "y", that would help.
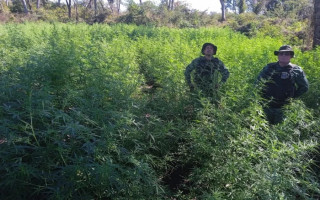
{"x": 79, "y": 121}
{"x": 289, "y": 18}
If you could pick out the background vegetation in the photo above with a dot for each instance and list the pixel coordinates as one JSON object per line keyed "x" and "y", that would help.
{"x": 289, "y": 18}
{"x": 103, "y": 112}
{"x": 93, "y": 102}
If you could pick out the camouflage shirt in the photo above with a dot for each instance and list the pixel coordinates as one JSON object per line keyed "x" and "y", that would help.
{"x": 283, "y": 83}
{"x": 206, "y": 71}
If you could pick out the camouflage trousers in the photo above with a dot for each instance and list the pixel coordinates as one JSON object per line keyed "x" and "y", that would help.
{"x": 274, "y": 115}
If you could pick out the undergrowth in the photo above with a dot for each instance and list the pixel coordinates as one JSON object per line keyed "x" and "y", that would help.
{"x": 103, "y": 112}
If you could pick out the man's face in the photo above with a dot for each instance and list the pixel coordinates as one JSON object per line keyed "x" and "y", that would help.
{"x": 284, "y": 57}
{"x": 208, "y": 51}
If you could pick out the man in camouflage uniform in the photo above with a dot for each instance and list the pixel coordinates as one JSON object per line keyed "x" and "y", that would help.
{"x": 282, "y": 81}
{"x": 206, "y": 77}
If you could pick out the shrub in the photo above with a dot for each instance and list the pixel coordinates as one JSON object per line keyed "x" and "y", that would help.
{"x": 78, "y": 121}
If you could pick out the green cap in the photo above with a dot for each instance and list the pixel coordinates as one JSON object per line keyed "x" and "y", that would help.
{"x": 215, "y": 48}
{"x": 285, "y": 48}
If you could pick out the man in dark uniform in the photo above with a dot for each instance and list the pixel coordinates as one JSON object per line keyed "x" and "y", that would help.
{"x": 206, "y": 77}
{"x": 282, "y": 81}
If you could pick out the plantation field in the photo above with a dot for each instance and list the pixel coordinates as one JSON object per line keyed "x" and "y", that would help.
{"x": 104, "y": 112}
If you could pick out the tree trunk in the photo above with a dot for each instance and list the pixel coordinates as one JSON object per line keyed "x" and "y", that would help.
{"x": 102, "y": 5}
{"x": 25, "y": 7}
{"x": 316, "y": 35}
{"x": 76, "y": 9}
{"x": 258, "y": 5}
{"x": 69, "y": 8}
{"x": 118, "y": 6}
{"x": 89, "y": 4}
{"x": 38, "y": 4}
{"x": 223, "y": 10}
{"x": 242, "y": 6}
{"x": 170, "y": 4}
{"x": 234, "y": 6}
{"x": 29, "y": 5}
{"x": 95, "y": 8}
{"x": 254, "y": 5}
{"x": 111, "y": 3}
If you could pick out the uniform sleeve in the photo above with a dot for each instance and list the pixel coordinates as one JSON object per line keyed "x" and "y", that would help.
{"x": 188, "y": 71}
{"x": 224, "y": 72}
{"x": 301, "y": 83}
{"x": 262, "y": 75}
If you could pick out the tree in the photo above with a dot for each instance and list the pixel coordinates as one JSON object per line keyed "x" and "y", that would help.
{"x": 69, "y": 8}
{"x": 25, "y": 7}
{"x": 271, "y": 4}
{"x": 95, "y": 7}
{"x": 231, "y": 5}
{"x": 75, "y": 3}
{"x": 223, "y": 10}
{"x": 242, "y": 6}
{"x": 111, "y": 5}
{"x": 316, "y": 36}
{"x": 290, "y": 9}
{"x": 170, "y": 5}
{"x": 257, "y": 6}
{"x": 118, "y": 2}
{"x": 29, "y": 5}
